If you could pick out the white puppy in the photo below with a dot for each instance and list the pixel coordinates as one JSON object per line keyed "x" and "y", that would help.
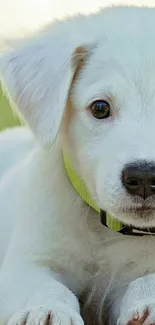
{"x": 86, "y": 88}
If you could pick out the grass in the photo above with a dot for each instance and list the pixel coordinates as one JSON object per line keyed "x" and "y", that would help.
{"x": 7, "y": 118}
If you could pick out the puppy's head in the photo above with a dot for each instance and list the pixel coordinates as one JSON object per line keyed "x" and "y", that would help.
{"x": 92, "y": 80}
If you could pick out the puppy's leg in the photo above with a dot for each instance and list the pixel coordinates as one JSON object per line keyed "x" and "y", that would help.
{"x": 138, "y": 304}
{"x": 45, "y": 239}
{"x": 30, "y": 293}
{"x": 33, "y": 295}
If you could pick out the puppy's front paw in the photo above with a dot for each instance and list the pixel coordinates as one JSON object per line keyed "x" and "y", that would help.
{"x": 143, "y": 314}
{"x": 58, "y": 315}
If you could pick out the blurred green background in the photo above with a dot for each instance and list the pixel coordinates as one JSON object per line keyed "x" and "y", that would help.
{"x": 7, "y": 118}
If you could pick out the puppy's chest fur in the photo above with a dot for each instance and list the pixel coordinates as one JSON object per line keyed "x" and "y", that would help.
{"x": 96, "y": 247}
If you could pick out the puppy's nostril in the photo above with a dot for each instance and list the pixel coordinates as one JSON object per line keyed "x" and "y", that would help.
{"x": 152, "y": 183}
{"x": 132, "y": 182}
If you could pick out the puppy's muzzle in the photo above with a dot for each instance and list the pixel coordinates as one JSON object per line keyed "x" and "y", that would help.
{"x": 138, "y": 178}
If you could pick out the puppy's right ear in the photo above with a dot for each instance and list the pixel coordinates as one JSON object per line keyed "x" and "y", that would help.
{"x": 38, "y": 77}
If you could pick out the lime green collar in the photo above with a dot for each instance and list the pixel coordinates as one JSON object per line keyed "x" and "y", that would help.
{"x": 81, "y": 189}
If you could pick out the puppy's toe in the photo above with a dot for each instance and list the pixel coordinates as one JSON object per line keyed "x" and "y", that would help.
{"x": 59, "y": 314}
{"x": 144, "y": 314}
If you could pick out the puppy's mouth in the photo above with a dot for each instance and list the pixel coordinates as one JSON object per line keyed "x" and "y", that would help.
{"x": 141, "y": 208}
{"x": 138, "y": 210}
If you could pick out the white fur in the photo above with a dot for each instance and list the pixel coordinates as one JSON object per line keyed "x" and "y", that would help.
{"x": 15, "y": 144}
{"x": 57, "y": 241}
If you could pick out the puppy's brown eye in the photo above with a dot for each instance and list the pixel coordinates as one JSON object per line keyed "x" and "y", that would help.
{"x": 100, "y": 109}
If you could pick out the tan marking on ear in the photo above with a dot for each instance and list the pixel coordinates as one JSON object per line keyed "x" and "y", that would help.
{"x": 78, "y": 59}
{"x": 69, "y": 112}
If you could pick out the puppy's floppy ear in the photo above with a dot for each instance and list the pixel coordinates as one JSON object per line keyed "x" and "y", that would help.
{"x": 37, "y": 79}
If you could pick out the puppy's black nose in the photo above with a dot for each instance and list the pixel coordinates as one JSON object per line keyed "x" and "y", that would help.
{"x": 139, "y": 179}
